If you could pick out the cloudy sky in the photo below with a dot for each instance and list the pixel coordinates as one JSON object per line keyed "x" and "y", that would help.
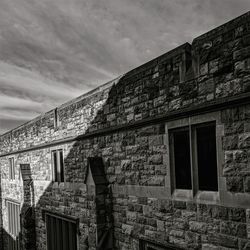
{"x": 54, "y": 50}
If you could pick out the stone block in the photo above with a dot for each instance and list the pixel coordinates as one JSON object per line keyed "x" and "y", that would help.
{"x": 193, "y": 240}
{"x": 242, "y": 66}
{"x": 177, "y": 233}
{"x": 244, "y": 140}
{"x": 175, "y": 104}
{"x": 210, "y": 247}
{"x": 235, "y": 184}
{"x": 156, "y": 181}
{"x": 160, "y": 226}
{"x": 127, "y": 229}
{"x": 223, "y": 240}
{"x": 241, "y": 54}
{"x": 237, "y": 214}
{"x": 233, "y": 229}
{"x": 180, "y": 204}
{"x": 244, "y": 244}
{"x": 206, "y": 87}
{"x": 240, "y": 156}
{"x": 155, "y": 159}
{"x": 230, "y": 142}
{"x": 131, "y": 216}
{"x": 247, "y": 184}
{"x": 198, "y": 227}
{"x": 204, "y": 69}
{"x": 213, "y": 66}
{"x": 155, "y": 140}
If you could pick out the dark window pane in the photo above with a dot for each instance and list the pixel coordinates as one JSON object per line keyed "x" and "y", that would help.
{"x": 61, "y": 166}
{"x": 55, "y": 118}
{"x": 72, "y": 234}
{"x": 207, "y": 162}
{"x": 49, "y": 233}
{"x": 10, "y": 169}
{"x": 182, "y": 160}
{"x": 54, "y": 166}
{"x": 57, "y": 165}
{"x": 65, "y": 232}
{"x": 54, "y": 234}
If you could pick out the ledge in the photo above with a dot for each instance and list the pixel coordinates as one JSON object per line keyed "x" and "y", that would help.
{"x": 215, "y": 105}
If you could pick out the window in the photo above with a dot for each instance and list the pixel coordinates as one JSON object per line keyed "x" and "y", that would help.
{"x": 193, "y": 157}
{"x": 13, "y": 210}
{"x": 20, "y": 174}
{"x": 180, "y": 140}
{"x": 206, "y": 157}
{"x": 11, "y": 168}
{"x": 57, "y": 166}
{"x": 55, "y": 118}
{"x": 146, "y": 245}
{"x": 61, "y": 232}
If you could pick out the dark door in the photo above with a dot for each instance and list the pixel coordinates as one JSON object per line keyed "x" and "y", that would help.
{"x": 61, "y": 233}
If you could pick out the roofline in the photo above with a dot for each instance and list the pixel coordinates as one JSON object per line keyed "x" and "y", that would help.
{"x": 98, "y": 89}
{"x": 221, "y": 27}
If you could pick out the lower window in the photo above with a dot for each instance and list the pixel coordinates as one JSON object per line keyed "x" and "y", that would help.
{"x": 13, "y": 225}
{"x": 61, "y": 233}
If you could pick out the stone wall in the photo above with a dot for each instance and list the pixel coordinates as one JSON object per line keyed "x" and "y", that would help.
{"x": 69, "y": 198}
{"x": 1, "y": 217}
{"x": 124, "y": 122}
{"x": 216, "y": 66}
{"x": 236, "y": 144}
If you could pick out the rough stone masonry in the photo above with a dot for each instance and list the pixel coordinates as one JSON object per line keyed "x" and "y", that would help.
{"x": 103, "y": 171}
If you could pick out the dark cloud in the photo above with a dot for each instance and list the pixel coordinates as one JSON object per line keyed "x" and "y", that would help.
{"x": 52, "y": 50}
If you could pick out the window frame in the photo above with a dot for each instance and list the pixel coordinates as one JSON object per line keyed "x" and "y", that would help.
{"x": 59, "y": 163}
{"x": 192, "y": 122}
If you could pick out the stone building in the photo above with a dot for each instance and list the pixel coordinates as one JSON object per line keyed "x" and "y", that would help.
{"x": 157, "y": 159}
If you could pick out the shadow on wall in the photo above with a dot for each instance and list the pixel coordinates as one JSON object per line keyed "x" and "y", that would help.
{"x": 98, "y": 201}
{"x": 89, "y": 159}
{"x": 85, "y": 195}
{"x": 21, "y": 224}
{"x": 1, "y": 207}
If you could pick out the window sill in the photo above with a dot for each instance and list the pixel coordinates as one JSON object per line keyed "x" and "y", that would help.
{"x": 205, "y": 197}
{"x": 211, "y": 197}
{"x": 183, "y": 195}
{"x": 57, "y": 184}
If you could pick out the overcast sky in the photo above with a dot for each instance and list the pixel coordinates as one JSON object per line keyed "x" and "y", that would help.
{"x": 54, "y": 50}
